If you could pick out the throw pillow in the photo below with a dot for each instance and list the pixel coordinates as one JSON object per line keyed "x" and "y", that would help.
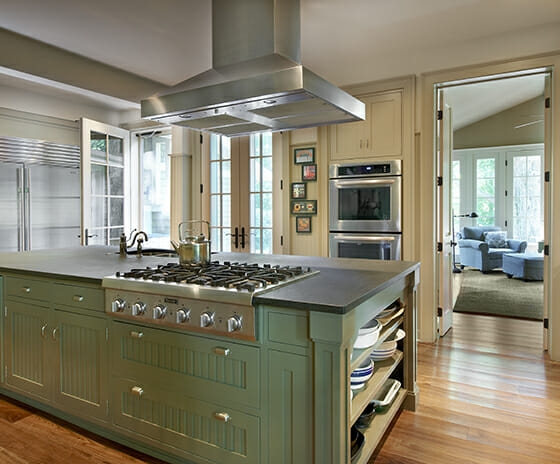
{"x": 496, "y": 239}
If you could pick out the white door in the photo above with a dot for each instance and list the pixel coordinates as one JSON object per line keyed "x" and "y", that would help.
{"x": 444, "y": 234}
{"x": 105, "y": 183}
{"x": 547, "y": 206}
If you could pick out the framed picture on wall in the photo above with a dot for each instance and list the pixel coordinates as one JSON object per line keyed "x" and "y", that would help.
{"x": 304, "y": 207}
{"x": 299, "y": 190}
{"x": 304, "y": 155}
{"x": 303, "y": 224}
{"x": 309, "y": 172}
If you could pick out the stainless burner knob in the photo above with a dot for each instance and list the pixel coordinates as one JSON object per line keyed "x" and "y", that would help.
{"x": 183, "y": 315}
{"x": 234, "y": 323}
{"x": 118, "y": 305}
{"x": 138, "y": 308}
{"x": 159, "y": 311}
{"x": 207, "y": 319}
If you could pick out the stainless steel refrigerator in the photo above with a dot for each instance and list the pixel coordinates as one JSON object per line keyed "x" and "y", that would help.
{"x": 39, "y": 195}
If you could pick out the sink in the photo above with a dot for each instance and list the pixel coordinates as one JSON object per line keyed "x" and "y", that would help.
{"x": 156, "y": 252}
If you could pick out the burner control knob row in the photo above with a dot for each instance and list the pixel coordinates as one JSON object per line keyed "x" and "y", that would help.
{"x": 159, "y": 311}
{"x": 183, "y": 315}
{"x": 138, "y": 309}
{"x": 118, "y": 305}
{"x": 234, "y": 323}
{"x": 207, "y": 319}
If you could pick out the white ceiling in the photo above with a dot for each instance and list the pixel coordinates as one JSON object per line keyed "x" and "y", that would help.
{"x": 346, "y": 42}
{"x": 473, "y": 102}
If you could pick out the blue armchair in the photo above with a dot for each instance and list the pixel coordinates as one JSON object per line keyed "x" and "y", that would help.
{"x": 475, "y": 252}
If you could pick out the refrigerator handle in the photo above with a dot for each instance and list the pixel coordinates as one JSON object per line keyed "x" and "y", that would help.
{"x": 20, "y": 211}
{"x": 27, "y": 208}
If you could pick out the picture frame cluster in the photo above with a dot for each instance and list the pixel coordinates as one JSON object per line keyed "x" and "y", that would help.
{"x": 300, "y": 206}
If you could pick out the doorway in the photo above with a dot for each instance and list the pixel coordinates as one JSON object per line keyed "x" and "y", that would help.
{"x": 496, "y": 209}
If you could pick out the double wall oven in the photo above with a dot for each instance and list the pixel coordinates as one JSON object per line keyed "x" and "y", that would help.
{"x": 365, "y": 210}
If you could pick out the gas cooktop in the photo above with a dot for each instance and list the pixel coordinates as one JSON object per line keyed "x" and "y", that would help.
{"x": 214, "y": 297}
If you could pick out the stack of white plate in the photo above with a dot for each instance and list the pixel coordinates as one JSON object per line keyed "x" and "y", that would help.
{"x": 387, "y": 315}
{"x": 368, "y": 334}
{"x": 361, "y": 375}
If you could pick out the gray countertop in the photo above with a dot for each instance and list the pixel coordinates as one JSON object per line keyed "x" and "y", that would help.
{"x": 341, "y": 284}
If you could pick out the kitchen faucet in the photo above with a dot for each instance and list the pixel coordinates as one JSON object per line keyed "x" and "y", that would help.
{"x": 124, "y": 246}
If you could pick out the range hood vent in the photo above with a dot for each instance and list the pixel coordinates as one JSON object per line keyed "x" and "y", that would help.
{"x": 257, "y": 82}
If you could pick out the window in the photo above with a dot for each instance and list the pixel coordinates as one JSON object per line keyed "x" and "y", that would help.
{"x": 220, "y": 193}
{"x": 155, "y": 175}
{"x": 456, "y": 192}
{"x": 486, "y": 191}
{"x": 261, "y": 193}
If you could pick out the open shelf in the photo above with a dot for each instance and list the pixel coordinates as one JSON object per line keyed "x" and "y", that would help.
{"x": 377, "y": 428}
{"x": 381, "y": 372}
{"x": 359, "y": 356}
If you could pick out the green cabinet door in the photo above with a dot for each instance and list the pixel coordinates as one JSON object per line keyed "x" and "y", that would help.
{"x": 291, "y": 412}
{"x": 81, "y": 351}
{"x": 25, "y": 348}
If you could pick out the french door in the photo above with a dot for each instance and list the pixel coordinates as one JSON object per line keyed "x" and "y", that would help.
{"x": 240, "y": 193}
{"x": 105, "y": 183}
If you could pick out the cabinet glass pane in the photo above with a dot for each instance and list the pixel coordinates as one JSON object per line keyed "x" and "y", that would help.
{"x": 98, "y": 212}
{"x": 117, "y": 211}
{"x": 116, "y": 150}
{"x": 255, "y": 208}
{"x": 98, "y": 179}
{"x": 116, "y": 181}
{"x": 98, "y": 147}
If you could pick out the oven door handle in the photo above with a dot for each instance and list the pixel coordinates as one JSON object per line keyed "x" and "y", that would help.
{"x": 347, "y": 238}
{"x": 357, "y": 182}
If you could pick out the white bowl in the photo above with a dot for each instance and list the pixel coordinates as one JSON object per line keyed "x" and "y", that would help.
{"x": 360, "y": 380}
{"x": 368, "y": 335}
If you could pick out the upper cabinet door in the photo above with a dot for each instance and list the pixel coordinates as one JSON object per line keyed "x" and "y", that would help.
{"x": 105, "y": 182}
{"x": 379, "y": 135}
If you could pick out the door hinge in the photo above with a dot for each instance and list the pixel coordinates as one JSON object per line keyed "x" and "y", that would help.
{"x": 5, "y": 371}
{"x": 281, "y": 240}
{"x": 440, "y": 312}
{"x": 439, "y": 181}
{"x": 439, "y": 246}
{"x": 201, "y": 138}
{"x": 547, "y": 102}
{"x": 547, "y": 176}
{"x": 106, "y": 334}
{"x": 545, "y": 322}
{"x": 506, "y": 162}
{"x": 505, "y": 223}
{"x": 439, "y": 115}
{"x": 6, "y": 311}
{"x": 201, "y": 188}
{"x": 281, "y": 184}
{"x": 506, "y": 193}
{"x": 546, "y": 250}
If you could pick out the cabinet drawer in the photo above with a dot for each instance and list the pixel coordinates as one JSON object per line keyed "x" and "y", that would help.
{"x": 206, "y": 367}
{"x": 186, "y": 424}
{"x": 29, "y": 288}
{"x": 80, "y": 297}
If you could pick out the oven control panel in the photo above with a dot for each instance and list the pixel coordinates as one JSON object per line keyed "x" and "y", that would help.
{"x": 218, "y": 318}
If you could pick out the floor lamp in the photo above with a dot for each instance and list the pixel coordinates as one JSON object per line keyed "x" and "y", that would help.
{"x": 456, "y": 270}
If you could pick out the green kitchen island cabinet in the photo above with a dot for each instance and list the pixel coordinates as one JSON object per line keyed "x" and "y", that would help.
{"x": 191, "y": 397}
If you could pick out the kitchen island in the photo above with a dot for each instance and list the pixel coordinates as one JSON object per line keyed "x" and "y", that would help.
{"x": 190, "y": 396}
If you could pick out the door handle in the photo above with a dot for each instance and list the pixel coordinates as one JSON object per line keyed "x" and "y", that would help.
{"x": 243, "y": 237}
{"x": 54, "y": 332}
{"x": 43, "y": 330}
{"x": 236, "y": 237}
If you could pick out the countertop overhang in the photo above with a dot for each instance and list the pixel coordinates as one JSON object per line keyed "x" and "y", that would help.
{"x": 341, "y": 285}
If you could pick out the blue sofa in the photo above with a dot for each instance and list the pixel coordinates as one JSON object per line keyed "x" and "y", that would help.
{"x": 475, "y": 252}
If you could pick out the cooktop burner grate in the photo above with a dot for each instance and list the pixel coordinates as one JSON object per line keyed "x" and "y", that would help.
{"x": 240, "y": 276}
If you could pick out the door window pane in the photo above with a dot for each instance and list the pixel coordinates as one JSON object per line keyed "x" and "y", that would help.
{"x": 98, "y": 179}
{"x": 485, "y": 189}
{"x": 117, "y": 211}
{"x": 220, "y": 192}
{"x": 116, "y": 150}
{"x": 99, "y": 212}
{"x": 116, "y": 181}
{"x": 98, "y": 145}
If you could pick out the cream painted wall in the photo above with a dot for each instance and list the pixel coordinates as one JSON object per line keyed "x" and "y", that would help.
{"x": 499, "y": 129}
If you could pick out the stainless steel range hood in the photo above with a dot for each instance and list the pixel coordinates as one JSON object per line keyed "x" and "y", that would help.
{"x": 257, "y": 82}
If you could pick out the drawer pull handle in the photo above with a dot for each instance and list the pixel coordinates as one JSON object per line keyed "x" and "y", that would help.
{"x": 26, "y": 289}
{"x": 221, "y": 416}
{"x": 78, "y": 298}
{"x": 135, "y": 334}
{"x": 221, "y": 351}
{"x": 43, "y": 329}
{"x": 137, "y": 391}
{"x": 54, "y": 332}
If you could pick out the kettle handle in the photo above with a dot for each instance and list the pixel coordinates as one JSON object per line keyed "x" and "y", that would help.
{"x": 191, "y": 221}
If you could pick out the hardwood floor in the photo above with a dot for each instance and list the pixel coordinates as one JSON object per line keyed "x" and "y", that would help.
{"x": 488, "y": 394}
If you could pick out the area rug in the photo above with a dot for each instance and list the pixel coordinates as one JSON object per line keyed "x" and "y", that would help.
{"x": 495, "y": 294}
